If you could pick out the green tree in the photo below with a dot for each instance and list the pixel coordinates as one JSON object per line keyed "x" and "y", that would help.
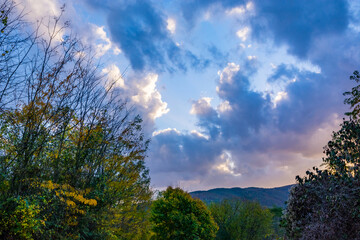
{"x": 176, "y": 215}
{"x": 239, "y": 220}
{"x": 279, "y": 231}
{"x": 71, "y": 153}
{"x": 325, "y": 203}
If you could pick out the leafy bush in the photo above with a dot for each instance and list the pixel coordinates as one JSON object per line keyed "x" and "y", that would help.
{"x": 241, "y": 220}
{"x": 325, "y": 204}
{"x": 176, "y": 215}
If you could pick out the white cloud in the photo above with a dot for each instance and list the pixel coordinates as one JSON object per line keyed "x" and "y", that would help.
{"x": 243, "y": 33}
{"x": 201, "y": 106}
{"x": 226, "y": 75}
{"x": 117, "y": 50}
{"x": 114, "y": 75}
{"x": 227, "y": 165}
{"x": 101, "y": 42}
{"x": 39, "y": 9}
{"x": 171, "y": 25}
{"x": 42, "y": 11}
{"x": 200, "y": 135}
{"x": 241, "y": 10}
{"x": 149, "y": 97}
{"x": 140, "y": 91}
{"x": 224, "y": 107}
{"x": 250, "y": 6}
{"x": 164, "y": 131}
{"x": 104, "y": 43}
{"x": 279, "y": 97}
{"x": 236, "y": 11}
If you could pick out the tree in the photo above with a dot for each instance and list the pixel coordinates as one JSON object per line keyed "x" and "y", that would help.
{"x": 279, "y": 231}
{"x": 239, "y": 220}
{"x": 176, "y": 215}
{"x": 71, "y": 153}
{"x": 15, "y": 48}
{"x": 325, "y": 203}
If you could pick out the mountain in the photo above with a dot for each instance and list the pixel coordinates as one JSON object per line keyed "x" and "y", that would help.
{"x": 267, "y": 197}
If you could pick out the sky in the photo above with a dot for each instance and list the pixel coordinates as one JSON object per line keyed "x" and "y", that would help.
{"x": 233, "y": 93}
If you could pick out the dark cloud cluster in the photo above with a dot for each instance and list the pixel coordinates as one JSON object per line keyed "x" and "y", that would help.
{"x": 184, "y": 154}
{"x": 140, "y": 30}
{"x": 294, "y": 23}
{"x": 299, "y": 23}
{"x": 265, "y": 144}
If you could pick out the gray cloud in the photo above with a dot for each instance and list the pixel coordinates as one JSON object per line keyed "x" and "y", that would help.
{"x": 140, "y": 30}
{"x": 187, "y": 155}
{"x": 299, "y": 23}
{"x": 294, "y": 23}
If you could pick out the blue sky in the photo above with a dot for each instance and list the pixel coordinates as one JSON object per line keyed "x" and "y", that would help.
{"x": 233, "y": 93}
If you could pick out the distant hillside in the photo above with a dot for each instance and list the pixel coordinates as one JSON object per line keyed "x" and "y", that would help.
{"x": 268, "y": 197}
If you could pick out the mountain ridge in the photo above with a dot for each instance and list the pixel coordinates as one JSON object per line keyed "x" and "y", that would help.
{"x": 268, "y": 197}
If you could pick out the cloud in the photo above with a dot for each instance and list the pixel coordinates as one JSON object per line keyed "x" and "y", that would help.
{"x": 39, "y": 9}
{"x": 141, "y": 91}
{"x": 100, "y": 41}
{"x": 249, "y": 141}
{"x": 236, "y": 11}
{"x": 192, "y": 9}
{"x": 171, "y": 25}
{"x": 144, "y": 34}
{"x": 243, "y": 33}
{"x": 294, "y": 23}
{"x": 251, "y": 138}
{"x": 202, "y": 107}
{"x": 149, "y": 97}
{"x": 305, "y": 22}
{"x": 184, "y": 156}
{"x": 40, "y": 14}
{"x": 244, "y": 136}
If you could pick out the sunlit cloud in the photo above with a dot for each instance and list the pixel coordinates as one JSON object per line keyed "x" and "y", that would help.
{"x": 114, "y": 76}
{"x": 243, "y": 33}
{"x": 279, "y": 97}
{"x": 224, "y": 107}
{"x": 171, "y": 25}
{"x": 201, "y": 107}
{"x": 149, "y": 97}
{"x": 164, "y": 131}
{"x": 102, "y": 42}
{"x": 236, "y": 11}
{"x": 227, "y": 165}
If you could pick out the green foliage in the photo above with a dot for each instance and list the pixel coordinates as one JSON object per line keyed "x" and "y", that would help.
{"x": 20, "y": 216}
{"x": 71, "y": 154}
{"x": 354, "y": 97}
{"x": 279, "y": 231}
{"x": 176, "y": 215}
{"x": 325, "y": 203}
{"x": 239, "y": 220}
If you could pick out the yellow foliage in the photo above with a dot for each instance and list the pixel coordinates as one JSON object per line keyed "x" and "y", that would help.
{"x": 70, "y": 196}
